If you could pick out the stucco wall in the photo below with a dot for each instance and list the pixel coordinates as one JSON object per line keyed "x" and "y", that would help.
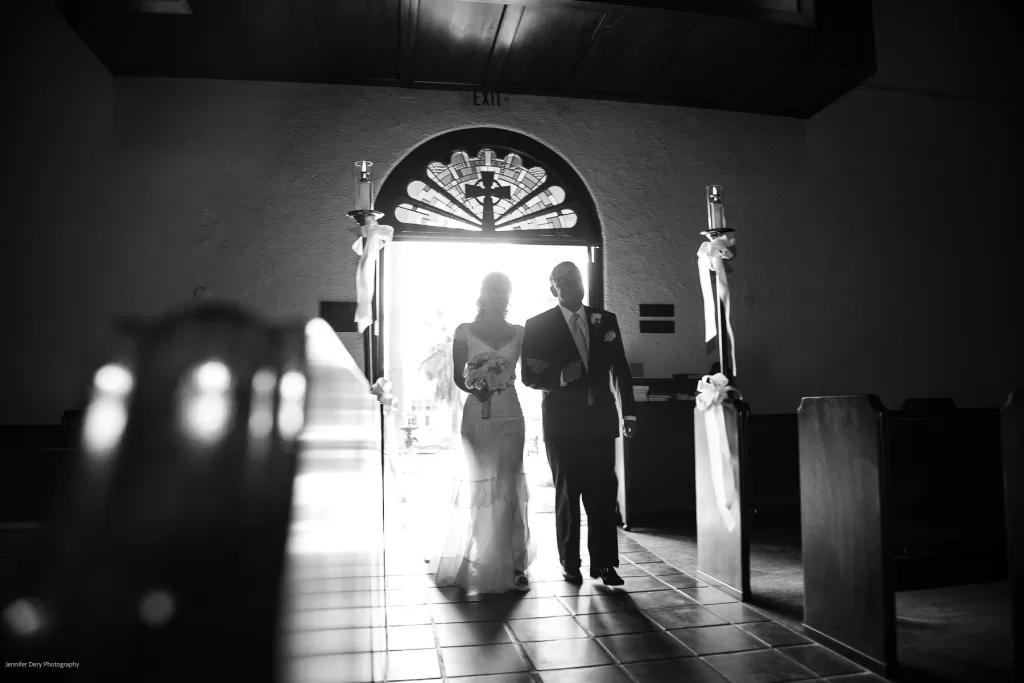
{"x": 853, "y": 269}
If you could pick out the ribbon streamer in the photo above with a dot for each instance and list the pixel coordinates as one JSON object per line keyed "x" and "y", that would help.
{"x": 712, "y": 390}
{"x": 382, "y": 390}
{"x": 711, "y": 257}
{"x": 376, "y": 237}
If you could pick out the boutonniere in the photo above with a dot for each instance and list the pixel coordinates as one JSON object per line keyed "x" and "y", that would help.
{"x": 595, "y": 318}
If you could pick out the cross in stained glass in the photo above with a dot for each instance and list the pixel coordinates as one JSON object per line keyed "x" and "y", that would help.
{"x": 487, "y": 190}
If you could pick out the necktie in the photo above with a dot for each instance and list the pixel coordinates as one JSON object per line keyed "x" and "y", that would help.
{"x": 581, "y": 345}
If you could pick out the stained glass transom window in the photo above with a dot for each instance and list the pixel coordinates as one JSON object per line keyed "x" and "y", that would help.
{"x": 488, "y": 184}
{"x": 487, "y": 192}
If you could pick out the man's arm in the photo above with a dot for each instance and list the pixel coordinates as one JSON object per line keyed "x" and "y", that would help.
{"x": 620, "y": 370}
{"x": 536, "y": 369}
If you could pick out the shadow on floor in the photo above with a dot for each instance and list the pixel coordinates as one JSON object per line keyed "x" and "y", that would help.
{"x": 956, "y": 634}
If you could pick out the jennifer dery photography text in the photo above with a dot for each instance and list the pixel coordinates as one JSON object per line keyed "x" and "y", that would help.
{"x": 42, "y": 665}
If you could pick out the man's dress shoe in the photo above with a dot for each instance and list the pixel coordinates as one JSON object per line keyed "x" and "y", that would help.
{"x": 608, "y": 575}
{"x": 572, "y": 576}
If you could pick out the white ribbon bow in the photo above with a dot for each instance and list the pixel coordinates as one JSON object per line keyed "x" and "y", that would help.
{"x": 711, "y": 257}
{"x": 382, "y": 390}
{"x": 376, "y": 237}
{"x": 712, "y": 390}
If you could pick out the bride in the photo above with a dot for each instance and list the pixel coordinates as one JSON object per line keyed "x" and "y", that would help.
{"x": 488, "y": 548}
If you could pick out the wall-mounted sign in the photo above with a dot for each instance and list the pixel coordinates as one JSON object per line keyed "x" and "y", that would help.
{"x": 657, "y": 311}
{"x": 340, "y": 314}
{"x": 486, "y": 98}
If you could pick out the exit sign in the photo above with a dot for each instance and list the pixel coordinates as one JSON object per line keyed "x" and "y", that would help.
{"x": 486, "y": 98}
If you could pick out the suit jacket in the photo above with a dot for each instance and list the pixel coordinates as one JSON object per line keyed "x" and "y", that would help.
{"x": 564, "y": 410}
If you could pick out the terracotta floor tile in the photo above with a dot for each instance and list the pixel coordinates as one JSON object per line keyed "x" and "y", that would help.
{"x": 866, "y": 677}
{"x": 411, "y": 665}
{"x": 708, "y": 595}
{"x": 546, "y": 628}
{"x": 710, "y": 640}
{"x": 566, "y": 654}
{"x": 640, "y": 647}
{"x": 589, "y": 604}
{"x": 355, "y": 617}
{"x": 477, "y": 660}
{"x": 685, "y": 617}
{"x": 472, "y": 633}
{"x": 690, "y": 670}
{"x": 468, "y": 611}
{"x": 775, "y": 634}
{"x": 645, "y": 583}
{"x": 737, "y": 612}
{"x": 419, "y": 637}
{"x": 640, "y": 556}
{"x": 616, "y": 623}
{"x": 346, "y": 668}
{"x": 759, "y": 666}
{"x": 407, "y": 615}
{"x": 660, "y": 568}
{"x": 537, "y": 607}
{"x": 657, "y": 600}
{"x": 681, "y": 581}
{"x": 519, "y": 677}
{"x": 821, "y": 660}
{"x": 594, "y": 674}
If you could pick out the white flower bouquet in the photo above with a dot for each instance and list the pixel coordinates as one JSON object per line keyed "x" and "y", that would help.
{"x": 489, "y": 374}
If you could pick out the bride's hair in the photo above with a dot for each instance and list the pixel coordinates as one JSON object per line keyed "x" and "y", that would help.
{"x": 490, "y": 279}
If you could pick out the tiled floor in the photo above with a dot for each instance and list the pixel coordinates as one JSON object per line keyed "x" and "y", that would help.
{"x": 353, "y": 617}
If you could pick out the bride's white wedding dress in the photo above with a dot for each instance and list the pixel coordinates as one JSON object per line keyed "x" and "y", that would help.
{"x": 488, "y": 538}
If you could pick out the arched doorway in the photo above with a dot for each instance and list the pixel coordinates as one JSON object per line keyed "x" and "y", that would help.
{"x": 488, "y": 185}
{"x": 462, "y": 204}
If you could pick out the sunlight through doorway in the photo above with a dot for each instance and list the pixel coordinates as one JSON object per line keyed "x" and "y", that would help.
{"x": 429, "y": 289}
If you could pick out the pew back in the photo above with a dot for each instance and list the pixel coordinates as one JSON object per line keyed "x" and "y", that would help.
{"x": 847, "y": 554}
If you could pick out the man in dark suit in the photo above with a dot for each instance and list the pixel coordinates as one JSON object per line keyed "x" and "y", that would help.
{"x": 573, "y": 353}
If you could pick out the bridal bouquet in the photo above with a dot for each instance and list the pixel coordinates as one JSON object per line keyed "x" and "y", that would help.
{"x": 490, "y": 373}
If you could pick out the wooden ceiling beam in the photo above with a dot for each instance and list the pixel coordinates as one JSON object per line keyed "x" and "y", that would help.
{"x": 579, "y": 69}
{"x": 508, "y": 26}
{"x": 799, "y": 12}
{"x": 408, "y": 27}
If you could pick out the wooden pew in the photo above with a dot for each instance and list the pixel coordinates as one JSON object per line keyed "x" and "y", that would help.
{"x": 1012, "y": 431}
{"x": 845, "y": 516}
{"x": 166, "y": 552}
{"x": 946, "y": 482}
{"x": 656, "y": 479}
{"x": 893, "y": 501}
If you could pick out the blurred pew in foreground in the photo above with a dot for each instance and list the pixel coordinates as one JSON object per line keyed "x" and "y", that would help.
{"x": 165, "y": 554}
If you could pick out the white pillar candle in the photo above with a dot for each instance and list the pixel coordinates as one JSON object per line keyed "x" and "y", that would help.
{"x": 364, "y": 185}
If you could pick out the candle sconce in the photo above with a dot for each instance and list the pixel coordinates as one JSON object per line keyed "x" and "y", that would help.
{"x": 364, "y": 213}
{"x": 716, "y": 213}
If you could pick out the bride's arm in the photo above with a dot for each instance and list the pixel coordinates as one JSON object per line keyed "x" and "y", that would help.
{"x": 460, "y": 353}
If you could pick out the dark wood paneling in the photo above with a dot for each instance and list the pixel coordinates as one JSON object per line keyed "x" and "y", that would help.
{"x": 717, "y": 53}
{"x": 775, "y": 11}
{"x": 629, "y": 52}
{"x": 844, "y": 497}
{"x": 547, "y": 45}
{"x": 507, "y": 31}
{"x": 763, "y": 56}
{"x": 455, "y": 40}
{"x": 656, "y": 479}
{"x": 779, "y": 68}
{"x": 317, "y": 40}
